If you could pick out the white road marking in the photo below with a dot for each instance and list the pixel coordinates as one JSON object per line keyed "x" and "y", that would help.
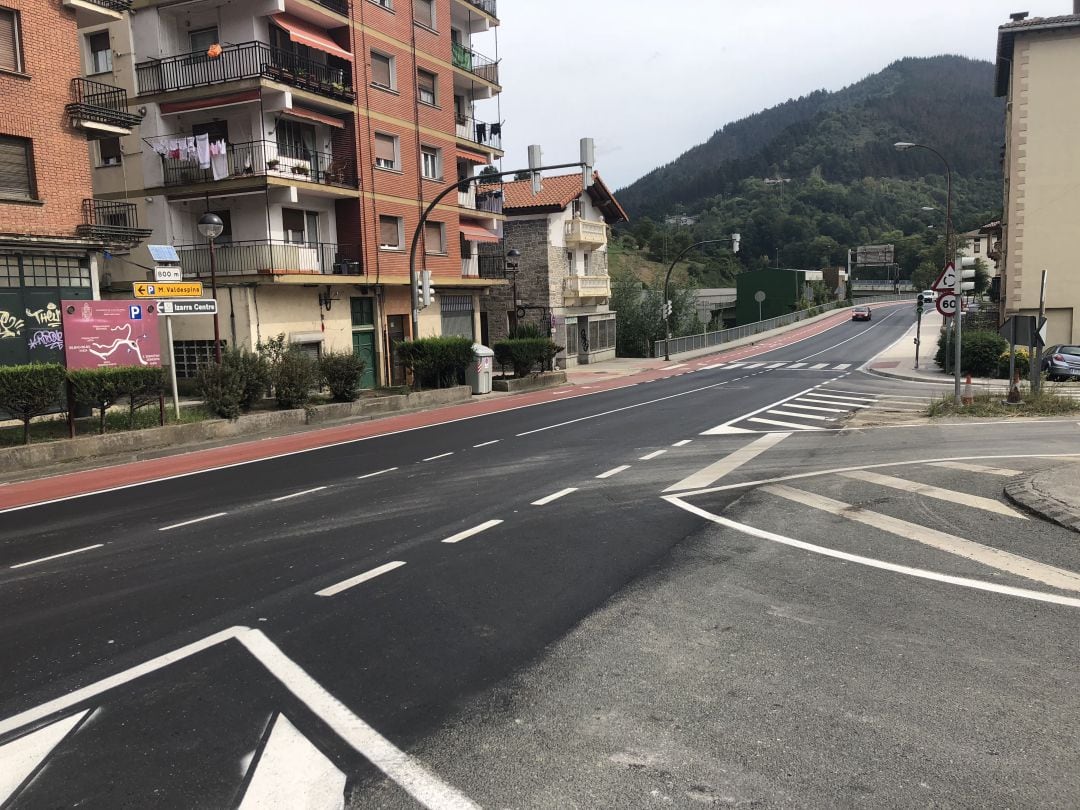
{"x": 818, "y": 366}
{"x": 718, "y": 469}
{"x": 776, "y": 365}
{"x": 854, "y": 337}
{"x": 562, "y": 493}
{"x": 372, "y": 475}
{"x": 614, "y": 471}
{"x": 292, "y": 772}
{"x": 297, "y": 494}
{"x": 817, "y": 400}
{"x": 947, "y": 495}
{"x": 778, "y": 423}
{"x": 436, "y": 458}
{"x": 976, "y": 468}
{"x": 715, "y": 365}
{"x": 814, "y": 408}
{"x": 844, "y": 397}
{"x": 727, "y": 428}
{"x": 21, "y": 757}
{"x": 58, "y": 556}
{"x": 814, "y": 416}
{"x": 683, "y": 443}
{"x": 968, "y": 549}
{"x": 683, "y": 365}
{"x": 798, "y": 365}
{"x": 487, "y": 444}
{"x": 759, "y": 365}
{"x": 846, "y": 366}
{"x": 191, "y": 522}
{"x": 651, "y": 456}
{"x": 483, "y": 527}
{"x": 740, "y": 365}
{"x": 870, "y": 562}
{"x": 344, "y": 585}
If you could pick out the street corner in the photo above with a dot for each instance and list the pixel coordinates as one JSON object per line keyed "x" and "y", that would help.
{"x": 1051, "y": 493}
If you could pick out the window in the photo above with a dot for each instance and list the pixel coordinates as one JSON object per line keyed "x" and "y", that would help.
{"x": 457, "y": 315}
{"x": 384, "y": 3}
{"x": 425, "y": 87}
{"x": 585, "y": 266}
{"x": 386, "y": 151}
{"x": 575, "y": 208}
{"x": 978, "y": 249}
{"x": 16, "y": 169}
{"x": 201, "y": 40}
{"x": 99, "y": 51}
{"x": 431, "y": 162}
{"x": 390, "y": 229}
{"x": 382, "y": 70}
{"x": 109, "y": 152}
{"x": 570, "y": 261}
{"x": 424, "y": 13}
{"x": 191, "y": 355}
{"x": 10, "y": 50}
{"x": 434, "y": 237}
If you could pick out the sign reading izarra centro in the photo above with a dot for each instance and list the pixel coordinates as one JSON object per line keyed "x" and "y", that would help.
{"x": 111, "y": 333}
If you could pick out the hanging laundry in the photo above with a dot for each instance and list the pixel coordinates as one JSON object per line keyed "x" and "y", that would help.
{"x": 190, "y": 153}
{"x": 202, "y": 150}
{"x": 481, "y": 133}
{"x": 219, "y": 159}
{"x": 160, "y": 146}
{"x": 175, "y": 146}
{"x": 496, "y": 130}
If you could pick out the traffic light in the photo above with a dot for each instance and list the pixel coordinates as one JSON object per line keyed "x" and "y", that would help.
{"x": 425, "y": 288}
{"x": 667, "y": 309}
{"x": 967, "y": 273}
{"x": 735, "y": 239}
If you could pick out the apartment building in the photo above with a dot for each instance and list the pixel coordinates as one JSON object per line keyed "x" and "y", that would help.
{"x": 317, "y": 130}
{"x": 1038, "y": 72}
{"x": 559, "y": 275}
{"x": 52, "y": 232}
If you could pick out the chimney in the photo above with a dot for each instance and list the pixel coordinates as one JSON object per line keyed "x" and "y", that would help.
{"x": 1023, "y": 15}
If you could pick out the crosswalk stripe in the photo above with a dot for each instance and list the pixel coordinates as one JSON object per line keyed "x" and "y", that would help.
{"x": 776, "y": 365}
{"x": 978, "y": 468}
{"x": 814, "y": 416}
{"x": 778, "y": 423}
{"x": 819, "y": 366}
{"x": 843, "y": 366}
{"x": 968, "y": 549}
{"x": 714, "y": 472}
{"x": 930, "y": 491}
{"x": 814, "y": 408}
{"x": 844, "y": 397}
{"x": 847, "y": 405}
{"x": 797, "y": 365}
{"x": 710, "y": 368}
{"x": 755, "y": 365}
{"x": 735, "y": 365}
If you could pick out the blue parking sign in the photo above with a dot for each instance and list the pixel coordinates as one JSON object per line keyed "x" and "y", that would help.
{"x": 135, "y": 311}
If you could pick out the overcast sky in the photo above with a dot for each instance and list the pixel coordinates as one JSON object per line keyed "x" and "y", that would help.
{"x": 648, "y": 79}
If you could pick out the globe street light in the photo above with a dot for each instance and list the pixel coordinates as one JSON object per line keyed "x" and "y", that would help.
{"x": 211, "y": 226}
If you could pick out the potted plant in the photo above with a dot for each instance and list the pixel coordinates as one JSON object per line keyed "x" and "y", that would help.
{"x": 272, "y": 164}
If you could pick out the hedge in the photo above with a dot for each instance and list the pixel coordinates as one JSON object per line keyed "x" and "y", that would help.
{"x": 342, "y": 372}
{"x": 31, "y": 390}
{"x": 100, "y": 388}
{"x": 525, "y": 354}
{"x": 980, "y": 351}
{"x": 436, "y": 362}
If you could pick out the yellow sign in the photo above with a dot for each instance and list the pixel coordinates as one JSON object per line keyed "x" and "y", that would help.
{"x": 186, "y": 289}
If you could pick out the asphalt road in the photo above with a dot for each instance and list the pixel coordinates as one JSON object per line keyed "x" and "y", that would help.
{"x": 484, "y": 540}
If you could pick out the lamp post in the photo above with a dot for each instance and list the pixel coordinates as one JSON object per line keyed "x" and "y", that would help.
{"x": 734, "y": 239}
{"x": 512, "y": 257}
{"x": 211, "y": 226}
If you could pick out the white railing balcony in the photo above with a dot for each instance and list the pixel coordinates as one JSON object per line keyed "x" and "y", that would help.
{"x": 467, "y": 199}
{"x": 588, "y": 287}
{"x": 586, "y": 232}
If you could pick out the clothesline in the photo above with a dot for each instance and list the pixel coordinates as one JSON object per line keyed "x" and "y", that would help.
{"x": 198, "y": 149}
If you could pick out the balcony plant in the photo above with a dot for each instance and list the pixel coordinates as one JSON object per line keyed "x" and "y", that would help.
{"x": 272, "y": 164}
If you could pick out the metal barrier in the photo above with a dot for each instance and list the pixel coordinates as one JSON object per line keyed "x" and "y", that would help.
{"x": 707, "y": 340}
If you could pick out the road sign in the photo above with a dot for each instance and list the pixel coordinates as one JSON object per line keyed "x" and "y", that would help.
{"x": 1026, "y": 329}
{"x": 164, "y": 273}
{"x": 186, "y": 289}
{"x": 874, "y": 255}
{"x": 946, "y": 282}
{"x": 204, "y": 306}
{"x": 946, "y": 304}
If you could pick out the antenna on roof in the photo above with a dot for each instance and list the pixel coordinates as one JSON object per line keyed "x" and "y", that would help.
{"x": 588, "y": 160}
{"x": 536, "y": 160}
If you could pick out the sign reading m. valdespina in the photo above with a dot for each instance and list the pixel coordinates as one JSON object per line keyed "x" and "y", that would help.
{"x": 202, "y": 306}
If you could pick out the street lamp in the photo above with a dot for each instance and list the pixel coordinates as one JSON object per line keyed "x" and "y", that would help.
{"x": 734, "y": 239}
{"x": 210, "y": 226}
{"x": 512, "y": 256}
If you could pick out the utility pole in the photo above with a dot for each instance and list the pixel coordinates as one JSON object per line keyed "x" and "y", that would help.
{"x": 1035, "y": 356}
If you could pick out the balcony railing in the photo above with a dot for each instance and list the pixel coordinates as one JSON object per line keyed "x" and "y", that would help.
{"x": 340, "y": 6}
{"x": 113, "y": 5}
{"x": 480, "y": 132}
{"x": 245, "y": 61}
{"x": 487, "y": 6}
{"x": 585, "y": 232}
{"x": 475, "y": 63}
{"x": 493, "y": 264}
{"x": 97, "y": 103}
{"x": 259, "y": 159}
{"x": 269, "y": 257}
{"x": 110, "y": 221}
{"x": 588, "y": 287}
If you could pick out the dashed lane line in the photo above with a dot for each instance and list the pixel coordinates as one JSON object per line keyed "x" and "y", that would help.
{"x": 562, "y": 493}
{"x": 651, "y": 456}
{"x": 311, "y": 491}
{"x": 682, "y": 443}
{"x": 614, "y": 471}
{"x": 483, "y": 527}
{"x": 976, "y": 468}
{"x": 352, "y": 582}
{"x": 202, "y": 519}
{"x": 436, "y": 458}
{"x": 930, "y": 491}
{"x": 486, "y": 444}
{"x": 373, "y": 474}
{"x": 718, "y": 469}
{"x": 57, "y": 556}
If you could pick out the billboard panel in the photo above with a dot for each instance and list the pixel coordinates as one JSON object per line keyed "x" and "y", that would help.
{"x": 111, "y": 333}
{"x": 874, "y": 254}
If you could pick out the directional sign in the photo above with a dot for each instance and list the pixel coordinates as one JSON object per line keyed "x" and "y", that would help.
{"x": 204, "y": 306}
{"x": 1026, "y": 329}
{"x": 186, "y": 289}
{"x": 166, "y": 273}
{"x": 946, "y": 304}
{"x": 947, "y": 280}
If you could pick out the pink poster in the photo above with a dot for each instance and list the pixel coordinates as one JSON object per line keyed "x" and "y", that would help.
{"x": 111, "y": 333}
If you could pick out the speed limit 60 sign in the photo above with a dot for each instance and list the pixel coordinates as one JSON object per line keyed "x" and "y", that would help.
{"x": 946, "y": 304}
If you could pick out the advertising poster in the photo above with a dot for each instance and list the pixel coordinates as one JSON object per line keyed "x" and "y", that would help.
{"x": 98, "y": 334}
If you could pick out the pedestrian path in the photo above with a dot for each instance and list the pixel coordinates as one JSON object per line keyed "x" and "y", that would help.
{"x": 770, "y": 365}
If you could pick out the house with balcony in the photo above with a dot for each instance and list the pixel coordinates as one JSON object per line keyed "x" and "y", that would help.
{"x": 559, "y": 278}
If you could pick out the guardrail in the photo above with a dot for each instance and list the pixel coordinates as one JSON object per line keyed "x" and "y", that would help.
{"x": 706, "y": 340}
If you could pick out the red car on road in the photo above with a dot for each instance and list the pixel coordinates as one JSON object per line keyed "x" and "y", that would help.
{"x": 860, "y": 314}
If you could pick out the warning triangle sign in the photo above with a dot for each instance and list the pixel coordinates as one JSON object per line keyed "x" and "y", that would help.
{"x": 947, "y": 280}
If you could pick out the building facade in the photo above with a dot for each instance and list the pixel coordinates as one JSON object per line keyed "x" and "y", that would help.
{"x": 1038, "y": 71}
{"x": 318, "y": 131}
{"x": 983, "y": 244}
{"x": 53, "y": 234}
{"x": 560, "y": 280}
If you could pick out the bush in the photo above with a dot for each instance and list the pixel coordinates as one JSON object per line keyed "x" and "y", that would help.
{"x": 255, "y": 370}
{"x": 223, "y": 385}
{"x": 101, "y": 388}
{"x": 342, "y": 373}
{"x": 524, "y": 354}
{"x": 294, "y": 378}
{"x": 29, "y": 391}
{"x": 1023, "y": 364}
{"x": 980, "y": 351}
{"x": 437, "y": 362}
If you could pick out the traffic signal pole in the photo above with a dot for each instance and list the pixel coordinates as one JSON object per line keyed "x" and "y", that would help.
{"x": 667, "y": 308}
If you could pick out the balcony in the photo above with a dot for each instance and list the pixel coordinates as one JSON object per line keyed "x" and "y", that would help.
{"x": 479, "y": 132}
{"x": 486, "y": 6}
{"x": 116, "y": 223}
{"x": 578, "y": 287}
{"x": 477, "y": 64}
{"x": 339, "y": 6}
{"x": 488, "y": 201}
{"x": 100, "y": 109}
{"x": 269, "y": 257}
{"x": 250, "y": 60}
{"x": 96, "y": 12}
{"x": 586, "y": 233}
{"x": 257, "y": 159}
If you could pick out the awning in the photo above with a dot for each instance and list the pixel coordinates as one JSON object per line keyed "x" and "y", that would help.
{"x": 474, "y": 233}
{"x": 307, "y": 34}
{"x": 206, "y": 103}
{"x": 475, "y": 158}
{"x": 305, "y": 114}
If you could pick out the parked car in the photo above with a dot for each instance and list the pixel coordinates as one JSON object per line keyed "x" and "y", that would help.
{"x": 928, "y": 296}
{"x": 1061, "y": 362}
{"x": 860, "y": 314}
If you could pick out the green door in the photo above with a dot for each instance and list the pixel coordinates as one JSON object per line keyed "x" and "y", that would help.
{"x": 363, "y": 345}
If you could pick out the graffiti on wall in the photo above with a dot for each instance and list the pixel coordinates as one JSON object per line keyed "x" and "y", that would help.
{"x": 52, "y": 339}
{"x": 10, "y": 325}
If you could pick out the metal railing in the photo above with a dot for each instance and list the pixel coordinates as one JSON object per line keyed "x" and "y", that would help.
{"x": 113, "y": 5}
{"x": 247, "y": 60}
{"x": 487, "y": 6}
{"x": 101, "y": 103}
{"x": 269, "y": 257}
{"x": 493, "y": 267}
{"x": 706, "y": 340}
{"x": 340, "y": 6}
{"x": 111, "y": 221}
{"x": 479, "y": 132}
{"x": 475, "y": 63}
{"x": 262, "y": 159}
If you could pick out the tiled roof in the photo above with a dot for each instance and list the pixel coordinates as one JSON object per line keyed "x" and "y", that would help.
{"x": 1064, "y": 20}
{"x": 556, "y": 191}
{"x": 1008, "y": 32}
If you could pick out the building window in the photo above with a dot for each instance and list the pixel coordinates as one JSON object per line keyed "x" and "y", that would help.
{"x": 585, "y": 266}
{"x": 109, "y": 152}
{"x": 191, "y": 355}
{"x": 300, "y": 227}
{"x": 601, "y": 334}
{"x": 978, "y": 246}
{"x": 431, "y": 162}
{"x": 386, "y": 151}
{"x": 99, "y": 51}
{"x": 390, "y": 232}
{"x": 457, "y": 315}
{"x": 10, "y": 46}
{"x": 424, "y": 13}
{"x": 425, "y": 87}
{"x": 16, "y": 169}
{"x": 382, "y": 70}
{"x": 570, "y": 261}
{"x": 434, "y": 237}
{"x": 201, "y": 39}
{"x": 384, "y": 3}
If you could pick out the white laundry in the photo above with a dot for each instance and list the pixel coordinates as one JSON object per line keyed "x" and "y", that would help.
{"x": 219, "y": 159}
{"x": 202, "y": 150}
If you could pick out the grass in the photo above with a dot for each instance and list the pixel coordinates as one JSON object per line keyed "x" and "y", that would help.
{"x": 55, "y": 428}
{"x": 1048, "y": 402}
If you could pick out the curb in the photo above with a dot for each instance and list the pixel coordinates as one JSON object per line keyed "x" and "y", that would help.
{"x": 1022, "y": 492}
